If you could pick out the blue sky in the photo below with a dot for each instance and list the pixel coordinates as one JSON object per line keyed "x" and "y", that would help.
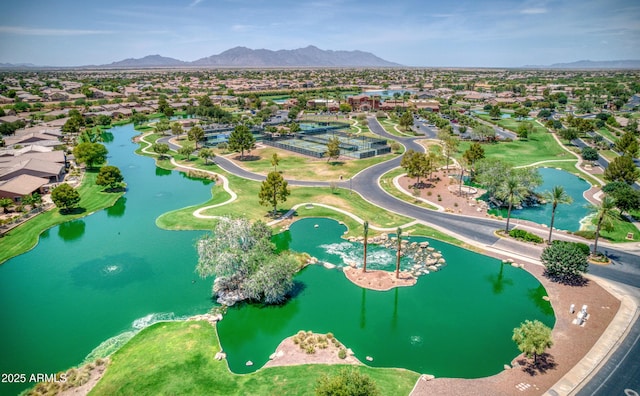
{"x": 460, "y": 33}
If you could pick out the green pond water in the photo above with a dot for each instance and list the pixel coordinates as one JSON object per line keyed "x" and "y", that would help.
{"x": 444, "y": 325}
{"x": 91, "y": 281}
{"x": 111, "y": 272}
{"x": 568, "y": 217}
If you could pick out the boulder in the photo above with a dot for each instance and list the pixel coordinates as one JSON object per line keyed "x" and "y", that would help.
{"x": 369, "y": 359}
{"x": 249, "y": 363}
{"x": 329, "y": 266}
{"x": 507, "y": 367}
{"x": 220, "y": 355}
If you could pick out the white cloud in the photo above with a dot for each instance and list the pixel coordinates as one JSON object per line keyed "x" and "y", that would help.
{"x": 533, "y": 11}
{"x": 25, "y": 31}
{"x": 242, "y": 28}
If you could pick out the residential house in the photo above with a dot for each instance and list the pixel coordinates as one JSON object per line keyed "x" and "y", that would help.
{"x": 54, "y": 172}
{"x": 21, "y": 186}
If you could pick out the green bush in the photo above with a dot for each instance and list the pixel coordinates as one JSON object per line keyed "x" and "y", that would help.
{"x": 342, "y": 353}
{"x": 346, "y": 382}
{"x": 525, "y": 236}
{"x": 583, "y": 247}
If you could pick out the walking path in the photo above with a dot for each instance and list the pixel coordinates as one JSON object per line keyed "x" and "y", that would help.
{"x": 472, "y": 230}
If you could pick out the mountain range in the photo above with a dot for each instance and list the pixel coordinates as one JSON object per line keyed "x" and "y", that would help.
{"x": 588, "y": 64}
{"x": 245, "y": 57}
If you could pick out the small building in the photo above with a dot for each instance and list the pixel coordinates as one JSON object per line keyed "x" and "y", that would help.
{"x": 364, "y": 102}
{"x": 21, "y": 186}
{"x": 52, "y": 171}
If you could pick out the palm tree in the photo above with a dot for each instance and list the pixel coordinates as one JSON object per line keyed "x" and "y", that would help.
{"x": 557, "y": 195}
{"x": 366, "y": 237}
{"x": 605, "y": 215}
{"x": 512, "y": 191}
{"x": 398, "y": 234}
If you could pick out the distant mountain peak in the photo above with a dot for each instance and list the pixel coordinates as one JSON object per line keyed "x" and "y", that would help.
{"x": 589, "y": 64}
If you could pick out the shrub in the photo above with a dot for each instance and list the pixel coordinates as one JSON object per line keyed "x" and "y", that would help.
{"x": 564, "y": 263}
{"x": 583, "y": 247}
{"x": 525, "y": 236}
{"x": 346, "y": 382}
{"x": 589, "y": 154}
{"x": 342, "y": 353}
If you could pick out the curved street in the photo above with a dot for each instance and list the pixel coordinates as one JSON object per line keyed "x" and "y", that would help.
{"x": 614, "y": 375}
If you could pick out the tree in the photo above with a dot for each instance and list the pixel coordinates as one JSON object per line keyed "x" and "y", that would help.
{"x": 90, "y": 153}
{"x": 564, "y": 262}
{"x": 556, "y": 196}
{"x": 495, "y": 112}
{"x": 627, "y": 144}
{"x": 110, "y": 176}
{"x": 474, "y": 153}
{"x": 398, "y": 251}
{"x": 622, "y": 169}
{"x": 161, "y": 149}
{"x": 241, "y": 257}
{"x": 241, "y": 139}
{"x": 484, "y": 132}
{"x": 569, "y": 133}
{"x": 206, "y": 154}
{"x": 273, "y": 191}
{"x": 272, "y": 280}
{"x": 162, "y": 126}
{"x": 33, "y": 199}
{"x": 406, "y": 120}
{"x": 625, "y": 196}
{"x": 522, "y": 113}
{"x": 513, "y": 191}
{"x": 138, "y": 118}
{"x": 196, "y": 134}
{"x": 65, "y": 197}
{"x": 5, "y": 203}
{"x": 524, "y": 130}
{"x": 333, "y": 148}
{"x": 604, "y": 217}
{"x": 294, "y": 127}
{"x": 414, "y": 164}
{"x": 186, "y": 150}
{"x": 365, "y": 234}
{"x": 176, "y": 129}
{"x": 532, "y": 338}
{"x": 451, "y": 144}
{"x": 348, "y": 382}
{"x": 589, "y": 154}
{"x": 164, "y": 107}
{"x": 275, "y": 161}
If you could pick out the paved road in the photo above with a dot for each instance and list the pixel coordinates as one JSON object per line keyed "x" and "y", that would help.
{"x": 620, "y": 375}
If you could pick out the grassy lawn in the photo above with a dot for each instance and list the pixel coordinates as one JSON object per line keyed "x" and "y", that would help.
{"x": 610, "y": 155}
{"x": 25, "y": 237}
{"x": 621, "y": 228}
{"x": 386, "y": 182}
{"x": 389, "y": 126}
{"x": 299, "y": 167}
{"x": 540, "y": 146}
{"x": 604, "y": 131}
{"x": 177, "y": 358}
{"x": 247, "y": 205}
